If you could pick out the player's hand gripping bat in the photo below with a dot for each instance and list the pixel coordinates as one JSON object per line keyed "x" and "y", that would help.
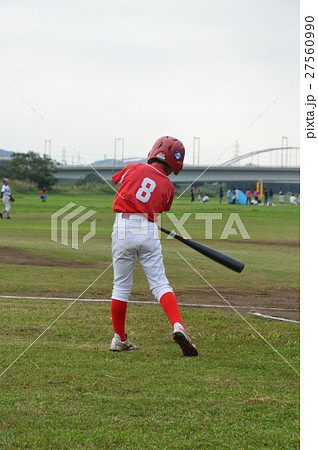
{"x": 217, "y": 256}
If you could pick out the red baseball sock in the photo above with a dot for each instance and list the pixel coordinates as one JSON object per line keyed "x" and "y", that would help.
{"x": 170, "y": 306}
{"x": 118, "y": 311}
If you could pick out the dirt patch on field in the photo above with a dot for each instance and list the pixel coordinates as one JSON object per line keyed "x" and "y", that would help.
{"x": 279, "y": 303}
{"x": 23, "y": 257}
{"x": 283, "y": 303}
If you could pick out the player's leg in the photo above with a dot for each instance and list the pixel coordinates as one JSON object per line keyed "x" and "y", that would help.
{"x": 150, "y": 257}
{"x": 123, "y": 266}
{"x": 6, "y": 201}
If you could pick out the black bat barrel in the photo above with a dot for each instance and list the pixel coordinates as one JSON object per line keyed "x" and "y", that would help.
{"x": 217, "y": 256}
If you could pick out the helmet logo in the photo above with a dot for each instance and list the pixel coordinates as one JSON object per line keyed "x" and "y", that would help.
{"x": 161, "y": 156}
{"x": 177, "y": 155}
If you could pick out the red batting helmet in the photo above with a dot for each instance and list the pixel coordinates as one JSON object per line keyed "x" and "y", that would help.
{"x": 170, "y": 150}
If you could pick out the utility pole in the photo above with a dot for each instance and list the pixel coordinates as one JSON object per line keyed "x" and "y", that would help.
{"x": 122, "y": 150}
{"x": 47, "y": 145}
{"x": 64, "y": 157}
{"x": 284, "y": 141}
{"x": 196, "y": 140}
{"x": 236, "y": 151}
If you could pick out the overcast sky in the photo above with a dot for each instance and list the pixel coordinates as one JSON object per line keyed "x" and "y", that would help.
{"x": 102, "y": 69}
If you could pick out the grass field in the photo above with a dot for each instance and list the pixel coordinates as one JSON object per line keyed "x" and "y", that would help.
{"x": 69, "y": 391}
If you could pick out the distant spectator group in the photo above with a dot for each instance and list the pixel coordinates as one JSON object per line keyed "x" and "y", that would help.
{"x": 256, "y": 197}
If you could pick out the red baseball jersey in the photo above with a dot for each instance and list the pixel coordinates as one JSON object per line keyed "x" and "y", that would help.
{"x": 144, "y": 188}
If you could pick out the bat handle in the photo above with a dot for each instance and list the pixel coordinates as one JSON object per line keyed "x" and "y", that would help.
{"x": 172, "y": 233}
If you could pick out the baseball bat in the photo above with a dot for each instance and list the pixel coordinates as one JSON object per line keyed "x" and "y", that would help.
{"x": 211, "y": 253}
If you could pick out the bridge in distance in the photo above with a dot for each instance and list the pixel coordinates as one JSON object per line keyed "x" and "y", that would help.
{"x": 202, "y": 174}
{"x": 281, "y": 165}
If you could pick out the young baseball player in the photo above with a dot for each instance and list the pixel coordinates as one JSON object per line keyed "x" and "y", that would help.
{"x": 6, "y": 197}
{"x": 43, "y": 194}
{"x": 145, "y": 191}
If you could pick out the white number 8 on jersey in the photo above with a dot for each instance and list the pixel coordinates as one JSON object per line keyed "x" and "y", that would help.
{"x": 147, "y": 186}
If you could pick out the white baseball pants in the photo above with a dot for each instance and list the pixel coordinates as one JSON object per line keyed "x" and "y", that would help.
{"x": 136, "y": 236}
{"x": 6, "y": 202}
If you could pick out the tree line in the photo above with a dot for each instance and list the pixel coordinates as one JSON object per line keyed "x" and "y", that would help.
{"x": 31, "y": 167}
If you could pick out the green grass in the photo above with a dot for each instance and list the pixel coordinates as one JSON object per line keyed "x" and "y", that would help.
{"x": 69, "y": 391}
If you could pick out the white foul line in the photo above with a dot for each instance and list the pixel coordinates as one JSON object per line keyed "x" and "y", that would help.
{"x": 146, "y": 302}
{"x": 273, "y": 317}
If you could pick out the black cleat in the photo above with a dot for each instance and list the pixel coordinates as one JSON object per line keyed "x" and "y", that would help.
{"x": 181, "y": 337}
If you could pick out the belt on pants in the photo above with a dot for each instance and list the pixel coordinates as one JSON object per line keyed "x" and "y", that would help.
{"x": 128, "y": 215}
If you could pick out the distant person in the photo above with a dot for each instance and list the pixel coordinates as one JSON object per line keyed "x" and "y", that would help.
{"x": 256, "y": 195}
{"x": 248, "y": 196}
{"x": 192, "y": 194}
{"x": 43, "y": 194}
{"x": 270, "y": 196}
{"x": 221, "y": 194}
{"x": 265, "y": 196}
{"x": 6, "y": 198}
{"x": 229, "y": 195}
{"x": 233, "y": 196}
{"x": 281, "y": 198}
{"x": 199, "y": 195}
{"x": 293, "y": 200}
{"x": 205, "y": 199}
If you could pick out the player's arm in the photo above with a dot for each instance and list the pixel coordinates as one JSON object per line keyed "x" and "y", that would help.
{"x": 119, "y": 176}
{"x": 170, "y": 199}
